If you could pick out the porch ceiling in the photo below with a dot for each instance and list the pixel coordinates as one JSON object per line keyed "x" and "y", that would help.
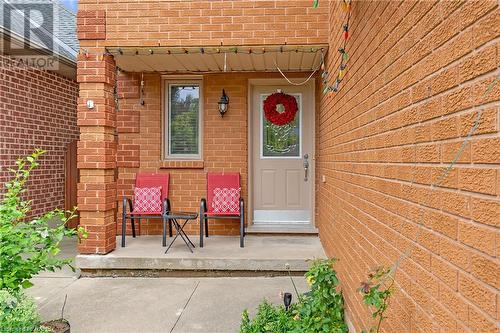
{"x": 288, "y": 58}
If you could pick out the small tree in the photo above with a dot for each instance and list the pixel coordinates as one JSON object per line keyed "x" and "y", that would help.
{"x": 28, "y": 247}
{"x": 376, "y": 293}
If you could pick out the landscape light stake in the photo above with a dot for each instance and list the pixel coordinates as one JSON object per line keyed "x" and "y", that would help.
{"x": 287, "y": 300}
{"x": 287, "y": 266}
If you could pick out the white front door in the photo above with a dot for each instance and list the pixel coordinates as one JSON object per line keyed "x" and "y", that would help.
{"x": 282, "y": 159}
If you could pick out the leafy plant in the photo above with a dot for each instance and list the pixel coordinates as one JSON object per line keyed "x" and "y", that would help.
{"x": 269, "y": 318}
{"x": 376, "y": 293}
{"x": 319, "y": 310}
{"x": 322, "y": 309}
{"x": 18, "y": 313}
{"x": 28, "y": 247}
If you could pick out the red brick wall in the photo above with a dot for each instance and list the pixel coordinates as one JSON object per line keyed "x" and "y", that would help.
{"x": 167, "y": 23}
{"x": 225, "y": 143}
{"x": 417, "y": 76}
{"x": 209, "y": 22}
{"x": 37, "y": 110}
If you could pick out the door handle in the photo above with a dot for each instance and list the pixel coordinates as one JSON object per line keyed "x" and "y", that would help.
{"x": 306, "y": 167}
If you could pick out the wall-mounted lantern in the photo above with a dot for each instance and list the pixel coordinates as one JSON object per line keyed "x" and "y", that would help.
{"x": 223, "y": 103}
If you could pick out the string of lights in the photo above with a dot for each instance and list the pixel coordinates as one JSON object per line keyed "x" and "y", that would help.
{"x": 144, "y": 51}
{"x": 344, "y": 56}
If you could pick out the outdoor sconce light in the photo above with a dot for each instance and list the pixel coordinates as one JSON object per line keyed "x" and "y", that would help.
{"x": 223, "y": 103}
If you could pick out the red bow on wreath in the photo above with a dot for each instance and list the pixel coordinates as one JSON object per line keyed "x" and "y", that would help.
{"x": 289, "y": 103}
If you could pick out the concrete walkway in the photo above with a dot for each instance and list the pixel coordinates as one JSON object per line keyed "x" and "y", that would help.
{"x": 179, "y": 305}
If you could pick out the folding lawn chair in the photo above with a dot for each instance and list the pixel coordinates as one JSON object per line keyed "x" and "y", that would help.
{"x": 150, "y": 202}
{"x": 223, "y": 202}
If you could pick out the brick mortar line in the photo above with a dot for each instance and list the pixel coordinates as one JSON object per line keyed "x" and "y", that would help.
{"x": 393, "y": 46}
{"x": 442, "y": 69}
{"x": 429, "y": 208}
{"x": 406, "y": 238}
{"x": 465, "y": 84}
{"x": 425, "y": 77}
{"x": 492, "y": 289}
{"x": 471, "y": 83}
{"x": 333, "y": 63}
{"x": 463, "y": 165}
{"x": 442, "y": 45}
{"x": 474, "y": 305}
{"x": 450, "y": 311}
{"x": 404, "y": 218}
{"x": 409, "y": 251}
{"x": 408, "y": 276}
{"x": 355, "y": 84}
{"x": 427, "y": 122}
{"x": 366, "y": 50}
{"x": 423, "y": 185}
{"x": 438, "y": 301}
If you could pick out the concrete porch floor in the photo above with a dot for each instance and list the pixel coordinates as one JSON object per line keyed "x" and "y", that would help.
{"x": 220, "y": 256}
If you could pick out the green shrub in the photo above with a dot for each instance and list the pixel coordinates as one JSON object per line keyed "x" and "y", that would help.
{"x": 18, "y": 314}
{"x": 322, "y": 309}
{"x": 269, "y": 318}
{"x": 28, "y": 247}
{"x": 319, "y": 310}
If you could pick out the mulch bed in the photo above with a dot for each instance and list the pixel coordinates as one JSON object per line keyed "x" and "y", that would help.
{"x": 58, "y": 326}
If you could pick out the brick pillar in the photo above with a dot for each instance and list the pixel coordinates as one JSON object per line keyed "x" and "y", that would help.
{"x": 97, "y": 152}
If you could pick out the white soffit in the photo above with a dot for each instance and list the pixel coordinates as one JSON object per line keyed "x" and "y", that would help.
{"x": 288, "y": 58}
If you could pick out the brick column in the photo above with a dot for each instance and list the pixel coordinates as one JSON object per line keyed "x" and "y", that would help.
{"x": 97, "y": 152}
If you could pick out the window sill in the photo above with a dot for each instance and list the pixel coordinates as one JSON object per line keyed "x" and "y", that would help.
{"x": 182, "y": 164}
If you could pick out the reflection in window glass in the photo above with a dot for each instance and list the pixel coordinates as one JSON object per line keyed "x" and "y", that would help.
{"x": 281, "y": 141}
{"x": 183, "y": 119}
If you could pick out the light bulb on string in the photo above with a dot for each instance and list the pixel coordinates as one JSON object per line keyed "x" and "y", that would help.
{"x": 341, "y": 73}
{"x": 346, "y": 6}
{"x": 345, "y": 56}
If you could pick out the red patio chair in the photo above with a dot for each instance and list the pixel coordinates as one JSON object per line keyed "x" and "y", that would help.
{"x": 224, "y": 201}
{"x": 150, "y": 201}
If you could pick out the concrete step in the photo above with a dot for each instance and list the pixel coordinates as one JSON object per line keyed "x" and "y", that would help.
{"x": 282, "y": 229}
{"x": 221, "y": 256}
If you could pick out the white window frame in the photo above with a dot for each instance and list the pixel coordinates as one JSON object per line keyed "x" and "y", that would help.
{"x": 166, "y": 117}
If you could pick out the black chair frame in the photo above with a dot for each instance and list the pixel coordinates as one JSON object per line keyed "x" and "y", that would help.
{"x": 133, "y": 217}
{"x": 204, "y": 220}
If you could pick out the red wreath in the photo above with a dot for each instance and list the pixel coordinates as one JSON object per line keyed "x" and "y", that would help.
{"x": 288, "y": 102}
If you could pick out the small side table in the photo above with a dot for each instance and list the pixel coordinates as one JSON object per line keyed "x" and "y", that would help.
{"x": 175, "y": 217}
